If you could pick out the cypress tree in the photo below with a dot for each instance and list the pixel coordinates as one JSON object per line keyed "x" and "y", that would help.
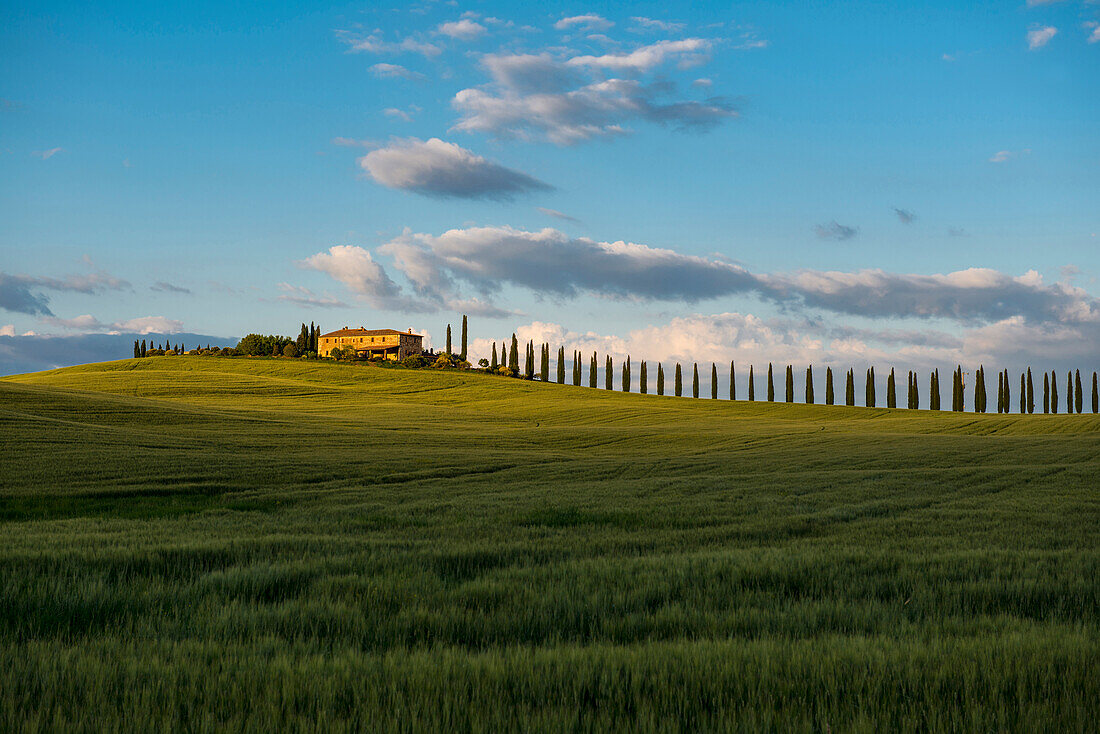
{"x": 771, "y": 385}
{"x": 1046, "y": 393}
{"x": 513, "y": 351}
{"x": 695, "y": 380}
{"x": 624, "y": 382}
{"x": 577, "y": 368}
{"x": 1030, "y": 393}
{"x": 979, "y": 387}
{"x": 788, "y": 384}
{"x": 1008, "y": 392}
{"x": 809, "y": 384}
{"x": 313, "y": 332}
{"x": 713, "y": 381}
{"x": 493, "y": 361}
{"x": 733, "y": 382}
{"x": 449, "y": 339}
{"x": 593, "y": 372}
{"x": 143, "y": 348}
{"x": 1053, "y": 392}
{"x": 544, "y": 371}
{"x": 909, "y": 390}
{"x": 934, "y": 390}
{"x": 137, "y": 349}
{"x": 679, "y": 382}
{"x": 1078, "y": 399}
{"x": 752, "y": 385}
{"x": 1000, "y": 392}
{"x": 660, "y": 379}
{"x": 830, "y": 398}
{"x": 463, "y": 354}
{"x": 530, "y": 360}
{"x": 608, "y": 374}
{"x": 1095, "y": 396}
{"x": 643, "y": 380}
{"x": 1069, "y": 393}
{"x": 874, "y": 400}
{"x": 916, "y": 393}
{"x": 561, "y": 365}
{"x": 850, "y": 388}
{"x": 869, "y": 395}
{"x": 891, "y": 391}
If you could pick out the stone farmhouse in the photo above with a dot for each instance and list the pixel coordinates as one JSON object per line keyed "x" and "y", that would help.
{"x": 369, "y": 343}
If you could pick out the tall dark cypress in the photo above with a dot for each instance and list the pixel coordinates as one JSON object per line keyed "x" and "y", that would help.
{"x": 979, "y": 387}
{"x": 830, "y": 398}
{"x": 695, "y": 380}
{"x": 608, "y": 374}
{"x": 314, "y": 332}
{"x": 788, "y": 384}
{"x": 561, "y": 365}
{"x": 1000, "y": 392}
{"x": 809, "y": 384}
{"x": 463, "y": 353}
{"x": 1078, "y": 399}
{"x": 577, "y": 368}
{"x": 449, "y": 339}
{"x": 771, "y": 385}
{"x": 137, "y": 349}
{"x": 850, "y": 388}
{"x": 1095, "y": 396}
{"x": 752, "y": 385}
{"x": 916, "y": 393}
{"x": 891, "y": 391}
{"x": 713, "y": 381}
{"x": 1046, "y": 393}
{"x": 144, "y": 348}
{"x": 624, "y": 381}
{"x": 868, "y": 398}
{"x": 660, "y": 379}
{"x": 529, "y": 361}
{"x": 643, "y": 379}
{"x": 593, "y": 372}
{"x": 934, "y": 390}
{"x": 493, "y": 362}
{"x": 678, "y": 384}
{"x": 513, "y": 352}
{"x": 1053, "y": 392}
{"x": 1030, "y": 393}
{"x": 544, "y": 368}
{"x": 1069, "y": 393}
{"x": 733, "y": 382}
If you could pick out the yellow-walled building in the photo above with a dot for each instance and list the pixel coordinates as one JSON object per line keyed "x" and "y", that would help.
{"x": 385, "y": 343}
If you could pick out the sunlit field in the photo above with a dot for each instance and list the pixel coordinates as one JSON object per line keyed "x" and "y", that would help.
{"x": 261, "y": 544}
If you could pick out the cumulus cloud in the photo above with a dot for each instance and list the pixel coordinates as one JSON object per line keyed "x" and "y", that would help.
{"x": 7, "y": 330}
{"x": 403, "y": 115}
{"x": 162, "y": 287}
{"x": 587, "y": 22}
{"x": 548, "y": 262}
{"x": 17, "y": 292}
{"x": 462, "y": 30}
{"x": 835, "y": 231}
{"x": 441, "y": 169}
{"x": 141, "y": 325}
{"x": 905, "y": 216}
{"x": 395, "y": 71}
{"x": 528, "y": 102}
{"x": 356, "y": 269}
{"x": 1039, "y": 37}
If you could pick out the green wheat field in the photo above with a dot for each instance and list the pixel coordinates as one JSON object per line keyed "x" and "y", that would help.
{"x": 197, "y": 543}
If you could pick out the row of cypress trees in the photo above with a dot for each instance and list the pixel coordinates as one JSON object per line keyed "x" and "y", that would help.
{"x": 1074, "y": 398}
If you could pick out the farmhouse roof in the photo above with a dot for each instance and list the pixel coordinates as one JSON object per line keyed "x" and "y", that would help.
{"x": 370, "y": 332}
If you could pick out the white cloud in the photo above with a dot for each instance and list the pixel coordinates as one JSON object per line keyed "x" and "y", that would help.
{"x": 46, "y": 154}
{"x": 556, "y": 214}
{"x": 17, "y": 291}
{"x": 687, "y": 52}
{"x": 7, "y": 330}
{"x": 1094, "y": 28}
{"x": 376, "y": 44}
{"x": 305, "y": 297}
{"x": 403, "y": 115}
{"x": 1039, "y": 37}
{"x": 356, "y": 269}
{"x": 1005, "y": 155}
{"x": 588, "y": 22}
{"x": 395, "y": 71}
{"x": 438, "y": 168}
{"x": 462, "y": 30}
{"x": 702, "y": 83}
{"x": 141, "y": 325}
{"x": 354, "y": 143}
{"x": 642, "y": 24}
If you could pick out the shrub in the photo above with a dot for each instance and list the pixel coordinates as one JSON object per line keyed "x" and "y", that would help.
{"x": 483, "y": 363}
{"x": 415, "y": 361}
{"x": 290, "y": 350}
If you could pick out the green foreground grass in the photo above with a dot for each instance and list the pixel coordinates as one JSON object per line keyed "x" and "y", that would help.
{"x": 204, "y": 543}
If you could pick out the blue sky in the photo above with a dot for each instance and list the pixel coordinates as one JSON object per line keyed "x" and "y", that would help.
{"x": 900, "y": 184}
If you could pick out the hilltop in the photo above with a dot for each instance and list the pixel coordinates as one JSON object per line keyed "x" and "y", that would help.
{"x": 197, "y": 542}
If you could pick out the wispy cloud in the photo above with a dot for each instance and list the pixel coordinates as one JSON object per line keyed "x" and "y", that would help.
{"x": 375, "y": 43}
{"x": 588, "y": 22}
{"x": 905, "y": 216}
{"x": 556, "y": 214}
{"x": 462, "y": 30}
{"x": 643, "y": 24}
{"x": 305, "y": 297}
{"x": 438, "y": 168}
{"x": 1039, "y": 37}
{"x": 1094, "y": 30}
{"x": 17, "y": 292}
{"x": 395, "y": 71}
{"x": 46, "y": 154}
{"x": 1006, "y": 155}
{"x": 163, "y": 287}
